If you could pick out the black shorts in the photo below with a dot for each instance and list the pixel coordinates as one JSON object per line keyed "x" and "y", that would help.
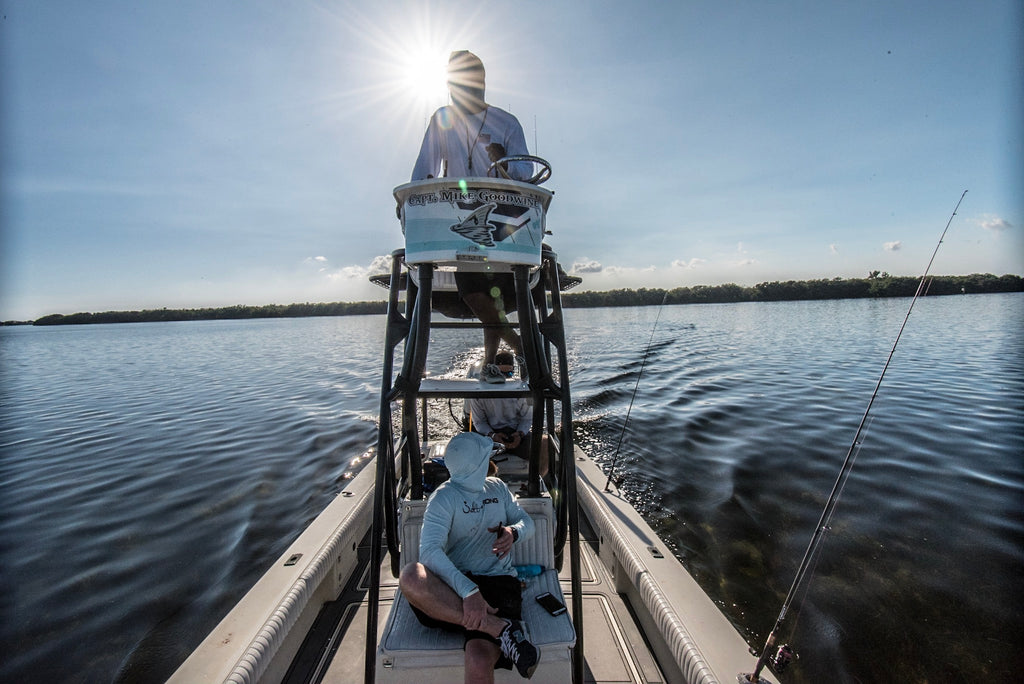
{"x": 523, "y": 450}
{"x": 503, "y": 592}
{"x": 470, "y": 282}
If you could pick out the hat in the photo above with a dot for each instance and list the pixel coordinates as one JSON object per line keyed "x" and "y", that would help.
{"x": 465, "y": 69}
{"x": 504, "y": 359}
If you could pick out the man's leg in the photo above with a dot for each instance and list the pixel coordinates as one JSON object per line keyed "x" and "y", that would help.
{"x": 483, "y": 305}
{"x": 427, "y": 592}
{"x": 523, "y": 451}
{"x": 481, "y": 656}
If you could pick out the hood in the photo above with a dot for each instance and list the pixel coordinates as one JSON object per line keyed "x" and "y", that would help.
{"x": 467, "y": 457}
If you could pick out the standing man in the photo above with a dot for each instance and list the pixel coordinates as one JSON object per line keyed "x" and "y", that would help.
{"x": 465, "y": 137}
{"x": 464, "y": 580}
{"x": 462, "y": 140}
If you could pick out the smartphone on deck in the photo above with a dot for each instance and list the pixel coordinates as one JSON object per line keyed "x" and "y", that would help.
{"x": 549, "y": 603}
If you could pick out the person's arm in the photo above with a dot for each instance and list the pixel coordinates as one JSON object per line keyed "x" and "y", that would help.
{"x": 524, "y": 414}
{"x": 437, "y": 522}
{"x": 521, "y": 523}
{"x": 428, "y": 163}
{"x": 515, "y": 144}
{"x": 481, "y": 424}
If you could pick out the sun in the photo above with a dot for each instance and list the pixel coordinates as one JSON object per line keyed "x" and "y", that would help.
{"x": 424, "y": 76}
{"x": 400, "y": 65}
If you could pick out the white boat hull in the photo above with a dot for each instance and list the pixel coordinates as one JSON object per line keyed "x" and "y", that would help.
{"x": 689, "y": 638}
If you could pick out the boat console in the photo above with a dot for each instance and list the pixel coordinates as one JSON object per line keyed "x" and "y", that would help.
{"x": 473, "y": 224}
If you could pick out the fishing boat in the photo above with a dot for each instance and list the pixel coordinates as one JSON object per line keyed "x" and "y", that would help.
{"x": 330, "y": 609}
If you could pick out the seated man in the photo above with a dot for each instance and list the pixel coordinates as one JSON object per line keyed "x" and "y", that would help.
{"x": 508, "y": 420}
{"x": 464, "y": 580}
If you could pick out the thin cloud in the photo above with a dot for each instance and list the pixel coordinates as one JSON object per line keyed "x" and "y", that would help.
{"x": 584, "y": 265}
{"x": 894, "y": 246}
{"x": 692, "y": 263}
{"x": 318, "y": 262}
{"x": 994, "y": 224}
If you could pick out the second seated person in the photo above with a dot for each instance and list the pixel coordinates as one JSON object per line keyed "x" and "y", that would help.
{"x": 508, "y": 420}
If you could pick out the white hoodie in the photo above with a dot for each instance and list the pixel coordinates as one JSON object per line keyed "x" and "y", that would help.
{"x": 455, "y": 537}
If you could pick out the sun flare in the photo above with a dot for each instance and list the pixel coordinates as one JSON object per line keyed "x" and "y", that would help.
{"x": 424, "y": 75}
{"x": 402, "y": 64}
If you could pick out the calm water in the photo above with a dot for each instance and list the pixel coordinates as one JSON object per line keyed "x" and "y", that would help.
{"x": 149, "y": 473}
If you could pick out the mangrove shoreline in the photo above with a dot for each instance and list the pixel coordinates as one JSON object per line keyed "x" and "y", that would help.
{"x": 875, "y": 285}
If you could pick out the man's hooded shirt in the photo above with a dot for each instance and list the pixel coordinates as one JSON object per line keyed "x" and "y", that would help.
{"x": 455, "y": 539}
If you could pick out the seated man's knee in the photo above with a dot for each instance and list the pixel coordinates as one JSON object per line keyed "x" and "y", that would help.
{"x": 412, "y": 577}
{"x": 482, "y": 654}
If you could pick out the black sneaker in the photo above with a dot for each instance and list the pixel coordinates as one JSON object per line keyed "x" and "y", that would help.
{"x": 516, "y": 647}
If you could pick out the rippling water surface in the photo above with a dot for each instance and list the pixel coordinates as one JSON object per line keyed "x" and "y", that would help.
{"x": 149, "y": 473}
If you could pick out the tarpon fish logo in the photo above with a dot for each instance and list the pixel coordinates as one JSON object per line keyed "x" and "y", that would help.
{"x": 479, "y": 228}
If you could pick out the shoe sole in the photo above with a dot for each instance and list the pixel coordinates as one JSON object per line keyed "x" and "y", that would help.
{"x": 530, "y": 670}
{"x": 533, "y": 668}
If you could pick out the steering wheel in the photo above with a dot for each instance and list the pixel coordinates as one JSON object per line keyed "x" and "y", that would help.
{"x": 536, "y": 179}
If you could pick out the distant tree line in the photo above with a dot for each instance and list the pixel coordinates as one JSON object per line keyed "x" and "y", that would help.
{"x": 877, "y": 284}
{"x": 223, "y": 313}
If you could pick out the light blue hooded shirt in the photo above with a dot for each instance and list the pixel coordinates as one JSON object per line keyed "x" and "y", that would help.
{"x": 455, "y": 537}
{"x": 448, "y": 134}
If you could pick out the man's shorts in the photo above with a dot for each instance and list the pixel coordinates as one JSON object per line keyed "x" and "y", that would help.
{"x": 523, "y": 450}
{"x": 470, "y": 282}
{"x": 503, "y": 592}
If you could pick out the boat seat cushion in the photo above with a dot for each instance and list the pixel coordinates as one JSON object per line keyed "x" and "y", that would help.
{"x": 407, "y": 645}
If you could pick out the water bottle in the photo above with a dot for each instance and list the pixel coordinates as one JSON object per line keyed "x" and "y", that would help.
{"x": 526, "y": 571}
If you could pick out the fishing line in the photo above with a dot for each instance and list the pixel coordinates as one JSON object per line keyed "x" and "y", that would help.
{"x": 625, "y": 423}
{"x": 781, "y": 658}
{"x": 828, "y": 526}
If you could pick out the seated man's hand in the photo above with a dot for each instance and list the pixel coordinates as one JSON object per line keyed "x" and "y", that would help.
{"x": 475, "y": 610}
{"x": 503, "y": 542}
{"x": 514, "y": 440}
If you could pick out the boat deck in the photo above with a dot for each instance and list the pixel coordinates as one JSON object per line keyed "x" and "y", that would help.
{"x": 614, "y": 649}
{"x": 646, "y": 620}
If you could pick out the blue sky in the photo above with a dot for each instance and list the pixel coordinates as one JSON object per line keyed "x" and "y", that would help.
{"x": 193, "y": 154}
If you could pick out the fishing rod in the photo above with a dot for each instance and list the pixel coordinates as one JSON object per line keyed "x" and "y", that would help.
{"x": 615, "y": 458}
{"x": 784, "y": 655}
